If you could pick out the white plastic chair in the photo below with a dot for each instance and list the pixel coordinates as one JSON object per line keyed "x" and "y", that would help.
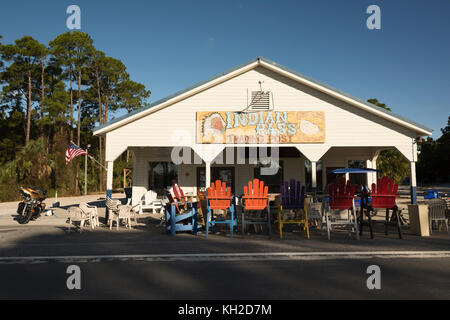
{"x": 76, "y": 214}
{"x": 436, "y": 212}
{"x": 90, "y": 211}
{"x": 315, "y": 213}
{"x": 118, "y": 211}
{"x": 336, "y": 217}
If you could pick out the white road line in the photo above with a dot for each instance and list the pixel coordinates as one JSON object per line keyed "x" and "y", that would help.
{"x": 256, "y": 256}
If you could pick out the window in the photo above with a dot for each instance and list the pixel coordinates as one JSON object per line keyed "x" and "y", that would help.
{"x": 272, "y": 181}
{"x": 357, "y": 178}
{"x": 161, "y": 175}
{"x": 331, "y": 177}
{"x": 260, "y": 100}
{"x": 225, "y": 174}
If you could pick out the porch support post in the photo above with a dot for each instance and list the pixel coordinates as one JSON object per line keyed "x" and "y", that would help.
{"x": 412, "y": 166}
{"x": 313, "y": 153}
{"x": 369, "y": 174}
{"x": 208, "y": 174}
{"x": 109, "y": 183}
{"x": 409, "y": 151}
{"x": 209, "y": 153}
{"x": 109, "y": 179}
{"x": 372, "y": 164}
{"x": 314, "y": 177}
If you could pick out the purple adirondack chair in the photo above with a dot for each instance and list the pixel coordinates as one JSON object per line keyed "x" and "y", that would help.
{"x": 292, "y": 196}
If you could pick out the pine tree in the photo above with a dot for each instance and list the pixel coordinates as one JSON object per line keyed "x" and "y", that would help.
{"x": 25, "y": 57}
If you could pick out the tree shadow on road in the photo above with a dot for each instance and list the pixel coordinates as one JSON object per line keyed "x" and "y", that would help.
{"x": 133, "y": 278}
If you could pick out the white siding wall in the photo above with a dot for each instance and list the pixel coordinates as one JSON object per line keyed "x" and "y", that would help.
{"x": 345, "y": 125}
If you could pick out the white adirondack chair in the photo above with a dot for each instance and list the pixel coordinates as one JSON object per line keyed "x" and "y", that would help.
{"x": 150, "y": 201}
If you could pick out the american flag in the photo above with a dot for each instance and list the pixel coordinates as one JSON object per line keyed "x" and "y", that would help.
{"x": 73, "y": 151}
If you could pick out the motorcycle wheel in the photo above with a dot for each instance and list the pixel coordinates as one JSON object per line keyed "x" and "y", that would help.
{"x": 37, "y": 213}
{"x": 26, "y": 216}
{"x": 20, "y": 208}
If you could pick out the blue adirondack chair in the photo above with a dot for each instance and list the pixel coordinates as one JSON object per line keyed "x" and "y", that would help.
{"x": 186, "y": 220}
{"x": 219, "y": 198}
{"x": 292, "y": 197}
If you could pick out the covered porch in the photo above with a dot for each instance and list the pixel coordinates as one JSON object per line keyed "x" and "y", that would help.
{"x": 155, "y": 168}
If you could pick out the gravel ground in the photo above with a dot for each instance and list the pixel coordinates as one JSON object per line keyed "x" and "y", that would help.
{"x": 10, "y": 207}
{"x": 59, "y": 214}
{"x": 59, "y": 217}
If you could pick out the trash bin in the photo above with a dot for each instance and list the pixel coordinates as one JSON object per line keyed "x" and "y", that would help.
{"x": 418, "y": 219}
{"x": 431, "y": 194}
{"x": 128, "y": 192}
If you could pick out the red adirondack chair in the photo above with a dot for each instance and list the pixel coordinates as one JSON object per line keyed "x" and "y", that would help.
{"x": 177, "y": 193}
{"x": 182, "y": 214}
{"x": 383, "y": 197}
{"x": 219, "y": 198}
{"x": 177, "y": 197}
{"x": 384, "y": 193}
{"x": 256, "y": 199}
{"x": 341, "y": 195}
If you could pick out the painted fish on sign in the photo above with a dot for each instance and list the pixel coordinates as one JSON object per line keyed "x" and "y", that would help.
{"x": 261, "y": 127}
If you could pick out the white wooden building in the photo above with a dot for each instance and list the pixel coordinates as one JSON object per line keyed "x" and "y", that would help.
{"x": 338, "y": 131}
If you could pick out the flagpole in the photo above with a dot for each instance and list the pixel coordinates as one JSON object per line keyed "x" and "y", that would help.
{"x": 85, "y": 169}
{"x": 92, "y": 158}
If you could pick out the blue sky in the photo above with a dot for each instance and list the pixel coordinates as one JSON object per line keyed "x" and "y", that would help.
{"x": 170, "y": 45}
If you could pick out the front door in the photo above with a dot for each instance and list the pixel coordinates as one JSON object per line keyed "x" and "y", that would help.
{"x": 331, "y": 177}
{"x": 225, "y": 174}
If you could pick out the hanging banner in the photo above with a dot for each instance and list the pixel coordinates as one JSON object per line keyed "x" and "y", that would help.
{"x": 261, "y": 127}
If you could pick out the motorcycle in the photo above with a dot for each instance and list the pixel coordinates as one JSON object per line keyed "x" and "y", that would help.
{"x": 32, "y": 205}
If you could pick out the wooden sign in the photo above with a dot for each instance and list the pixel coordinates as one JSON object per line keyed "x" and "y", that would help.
{"x": 266, "y": 127}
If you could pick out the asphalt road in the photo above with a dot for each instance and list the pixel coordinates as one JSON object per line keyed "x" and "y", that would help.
{"x": 145, "y": 263}
{"x": 401, "y": 278}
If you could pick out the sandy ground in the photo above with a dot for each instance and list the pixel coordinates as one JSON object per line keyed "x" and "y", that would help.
{"x": 64, "y": 201}
{"x": 59, "y": 215}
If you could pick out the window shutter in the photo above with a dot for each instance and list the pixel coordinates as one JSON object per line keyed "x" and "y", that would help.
{"x": 260, "y": 100}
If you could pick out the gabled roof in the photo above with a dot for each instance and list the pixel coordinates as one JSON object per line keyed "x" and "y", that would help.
{"x": 268, "y": 64}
